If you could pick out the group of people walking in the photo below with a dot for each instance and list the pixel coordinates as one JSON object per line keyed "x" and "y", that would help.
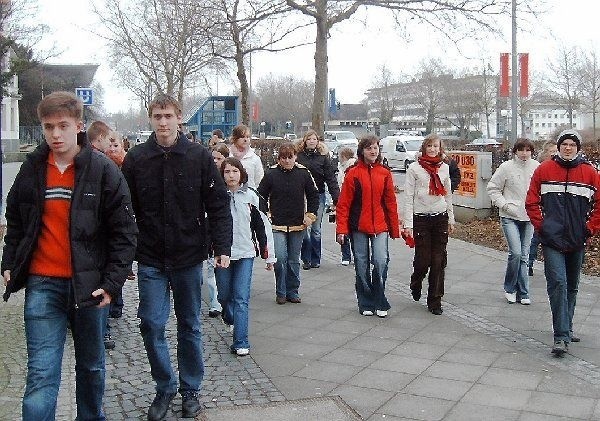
{"x": 76, "y": 222}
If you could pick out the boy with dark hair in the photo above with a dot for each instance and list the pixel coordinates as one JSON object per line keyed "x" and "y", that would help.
{"x": 70, "y": 243}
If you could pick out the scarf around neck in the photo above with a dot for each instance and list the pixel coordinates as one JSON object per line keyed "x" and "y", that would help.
{"x": 432, "y": 165}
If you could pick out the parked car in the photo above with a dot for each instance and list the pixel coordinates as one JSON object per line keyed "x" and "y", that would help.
{"x": 142, "y": 136}
{"x": 399, "y": 152}
{"x": 335, "y": 138}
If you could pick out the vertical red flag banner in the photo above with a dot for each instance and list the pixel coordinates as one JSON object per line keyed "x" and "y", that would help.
{"x": 504, "y": 75}
{"x": 255, "y": 111}
{"x": 524, "y": 75}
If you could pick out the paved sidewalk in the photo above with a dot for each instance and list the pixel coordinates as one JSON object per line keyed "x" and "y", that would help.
{"x": 482, "y": 359}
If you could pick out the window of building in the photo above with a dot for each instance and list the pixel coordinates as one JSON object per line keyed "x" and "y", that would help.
{"x": 555, "y": 115}
{"x": 555, "y": 124}
{"x": 537, "y": 124}
{"x": 574, "y": 125}
{"x": 574, "y": 115}
{"x": 543, "y": 124}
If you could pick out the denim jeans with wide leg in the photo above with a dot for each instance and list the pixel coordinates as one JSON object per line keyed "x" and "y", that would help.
{"x": 533, "y": 248}
{"x": 234, "y": 295}
{"x": 287, "y": 267}
{"x": 211, "y": 283}
{"x": 370, "y": 284}
{"x": 311, "y": 243}
{"x": 562, "y": 270}
{"x": 431, "y": 239}
{"x": 518, "y": 236}
{"x": 48, "y": 307}
{"x": 155, "y": 286}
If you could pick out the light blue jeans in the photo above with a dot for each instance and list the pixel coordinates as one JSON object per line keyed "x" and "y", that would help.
{"x": 48, "y": 307}
{"x": 287, "y": 268}
{"x": 155, "y": 286}
{"x": 234, "y": 294}
{"x": 562, "y": 272}
{"x": 311, "y": 244}
{"x": 518, "y": 237}
{"x": 370, "y": 252}
{"x": 211, "y": 283}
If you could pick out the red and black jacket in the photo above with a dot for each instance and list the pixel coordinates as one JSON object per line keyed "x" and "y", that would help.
{"x": 563, "y": 203}
{"x": 367, "y": 202}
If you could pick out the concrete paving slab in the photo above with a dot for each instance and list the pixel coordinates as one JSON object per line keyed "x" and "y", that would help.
{"x": 511, "y": 378}
{"x": 360, "y": 400}
{"x": 381, "y": 379}
{"x": 559, "y": 405}
{"x": 299, "y": 387}
{"x": 358, "y": 358}
{"x": 455, "y": 371}
{"x": 328, "y": 371}
{"x": 416, "y": 407}
{"x": 471, "y": 412}
{"x": 435, "y": 387}
{"x": 325, "y": 408}
{"x": 503, "y": 397}
{"x": 402, "y": 364}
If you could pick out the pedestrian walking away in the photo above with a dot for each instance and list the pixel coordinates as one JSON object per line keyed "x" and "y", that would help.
{"x": 292, "y": 198}
{"x": 563, "y": 203}
{"x": 182, "y": 210}
{"x": 252, "y": 232}
{"x": 367, "y": 216}
{"x": 315, "y": 157}
{"x": 70, "y": 242}
{"x": 508, "y": 189}
{"x": 429, "y": 218}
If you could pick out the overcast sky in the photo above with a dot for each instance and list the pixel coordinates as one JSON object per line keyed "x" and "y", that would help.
{"x": 355, "y": 50}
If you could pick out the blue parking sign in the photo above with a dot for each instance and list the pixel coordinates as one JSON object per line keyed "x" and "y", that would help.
{"x": 86, "y": 95}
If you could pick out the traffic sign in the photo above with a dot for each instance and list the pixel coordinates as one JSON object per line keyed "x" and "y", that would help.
{"x": 86, "y": 95}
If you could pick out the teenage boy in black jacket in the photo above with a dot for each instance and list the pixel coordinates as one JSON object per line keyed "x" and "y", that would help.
{"x": 174, "y": 185}
{"x": 70, "y": 243}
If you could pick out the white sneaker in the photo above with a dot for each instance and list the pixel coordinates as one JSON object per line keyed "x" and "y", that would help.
{"x": 242, "y": 352}
{"x": 345, "y": 262}
{"x": 381, "y": 313}
{"x": 525, "y": 301}
{"x": 366, "y": 313}
{"x": 511, "y": 298}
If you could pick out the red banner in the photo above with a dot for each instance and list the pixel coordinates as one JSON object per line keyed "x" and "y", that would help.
{"x": 255, "y": 112}
{"x": 524, "y": 75}
{"x": 504, "y": 75}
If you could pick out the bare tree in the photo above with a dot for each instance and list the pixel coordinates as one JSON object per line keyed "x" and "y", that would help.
{"x": 242, "y": 27}
{"x": 563, "y": 79}
{"x": 156, "y": 45}
{"x": 590, "y": 84}
{"x": 384, "y": 80}
{"x": 284, "y": 98}
{"x": 462, "y": 103}
{"x": 433, "y": 77}
{"x": 488, "y": 95}
{"x": 440, "y": 15}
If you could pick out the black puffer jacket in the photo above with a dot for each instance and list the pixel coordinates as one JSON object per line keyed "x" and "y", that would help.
{"x": 102, "y": 228}
{"x": 172, "y": 192}
{"x": 322, "y": 169}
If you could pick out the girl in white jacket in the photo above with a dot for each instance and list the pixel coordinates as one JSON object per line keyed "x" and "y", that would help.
{"x": 252, "y": 236}
{"x": 240, "y": 148}
{"x": 507, "y": 189}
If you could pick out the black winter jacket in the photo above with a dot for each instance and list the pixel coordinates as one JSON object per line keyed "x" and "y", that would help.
{"x": 102, "y": 227}
{"x": 172, "y": 193}
{"x": 322, "y": 170}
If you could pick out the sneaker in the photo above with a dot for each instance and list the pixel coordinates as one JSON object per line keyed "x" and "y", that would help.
{"x": 190, "y": 404}
{"x": 345, "y": 262}
{"x": 530, "y": 270}
{"x": 511, "y": 297}
{"x": 214, "y": 313}
{"x": 416, "y": 294}
{"x": 160, "y": 406}
{"x": 575, "y": 338}
{"x": 295, "y": 300}
{"x": 242, "y": 352}
{"x": 108, "y": 341}
{"x": 525, "y": 301}
{"x": 280, "y": 300}
{"x": 559, "y": 348}
{"x": 436, "y": 311}
{"x": 381, "y": 313}
{"x": 315, "y": 265}
{"x": 366, "y": 313}
{"x": 306, "y": 266}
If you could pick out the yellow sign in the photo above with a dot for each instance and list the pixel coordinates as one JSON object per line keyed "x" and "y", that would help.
{"x": 468, "y": 174}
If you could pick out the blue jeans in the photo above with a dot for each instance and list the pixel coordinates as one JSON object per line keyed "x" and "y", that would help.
{"x": 518, "y": 236}
{"x": 562, "y": 272}
{"x": 234, "y": 295}
{"x": 155, "y": 286}
{"x": 370, "y": 285}
{"x": 287, "y": 267}
{"x": 533, "y": 249}
{"x": 311, "y": 244}
{"x": 48, "y": 307}
{"x": 211, "y": 283}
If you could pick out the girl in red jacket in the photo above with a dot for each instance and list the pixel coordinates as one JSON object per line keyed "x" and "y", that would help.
{"x": 367, "y": 216}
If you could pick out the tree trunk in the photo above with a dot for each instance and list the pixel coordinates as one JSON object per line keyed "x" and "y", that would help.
{"x": 320, "y": 94}
{"x": 244, "y": 89}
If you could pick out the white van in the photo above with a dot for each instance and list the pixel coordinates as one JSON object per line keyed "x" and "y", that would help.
{"x": 399, "y": 152}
